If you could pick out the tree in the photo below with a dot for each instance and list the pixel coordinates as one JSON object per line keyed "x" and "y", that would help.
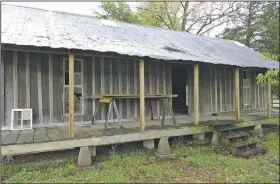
{"x": 195, "y": 17}
{"x": 258, "y": 28}
{"x": 118, "y": 11}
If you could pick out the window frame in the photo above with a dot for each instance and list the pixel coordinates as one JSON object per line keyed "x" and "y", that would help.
{"x": 246, "y": 89}
{"x": 78, "y": 86}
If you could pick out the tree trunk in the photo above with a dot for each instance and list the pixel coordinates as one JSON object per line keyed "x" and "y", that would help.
{"x": 185, "y": 14}
{"x": 249, "y": 31}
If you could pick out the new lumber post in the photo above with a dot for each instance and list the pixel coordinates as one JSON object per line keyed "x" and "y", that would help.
{"x": 269, "y": 100}
{"x": 237, "y": 94}
{"x": 196, "y": 94}
{"x": 142, "y": 97}
{"x": 71, "y": 95}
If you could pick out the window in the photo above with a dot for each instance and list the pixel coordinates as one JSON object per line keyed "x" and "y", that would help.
{"x": 246, "y": 87}
{"x": 78, "y": 86}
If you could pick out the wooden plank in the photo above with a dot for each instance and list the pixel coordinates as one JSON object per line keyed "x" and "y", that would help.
{"x": 25, "y": 136}
{"x": 87, "y": 85}
{"x": 51, "y": 86}
{"x": 27, "y": 80}
{"x": 102, "y": 87}
{"x": 92, "y": 131}
{"x": 142, "y": 91}
{"x": 258, "y": 94}
{"x": 41, "y": 135}
{"x": 157, "y": 85}
{"x": 34, "y": 87}
{"x": 71, "y": 95}
{"x": 21, "y": 79}
{"x": 269, "y": 100}
{"x": 225, "y": 90}
{"x": 120, "y": 86}
{"x": 229, "y": 89}
{"x": 135, "y": 85}
{"x": 216, "y": 90}
{"x": 211, "y": 88}
{"x": 237, "y": 102}
{"x": 111, "y": 82}
{"x": 164, "y": 79}
{"x": 58, "y": 85}
{"x": 99, "y": 141}
{"x": 15, "y": 79}
{"x": 39, "y": 80}
{"x": 12, "y": 137}
{"x": 233, "y": 92}
{"x": 221, "y": 92}
{"x": 80, "y": 133}
{"x": 45, "y": 90}
{"x": 65, "y": 132}
{"x": 255, "y": 86}
{"x": 93, "y": 82}
{"x": 54, "y": 134}
{"x": 128, "y": 88}
{"x": 196, "y": 94}
{"x": 4, "y": 135}
{"x": 2, "y": 90}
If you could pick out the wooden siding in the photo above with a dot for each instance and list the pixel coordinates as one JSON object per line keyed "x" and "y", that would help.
{"x": 35, "y": 80}
{"x": 40, "y": 76}
{"x": 220, "y": 98}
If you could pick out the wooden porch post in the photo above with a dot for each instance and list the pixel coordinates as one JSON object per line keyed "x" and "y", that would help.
{"x": 269, "y": 100}
{"x": 71, "y": 95}
{"x": 237, "y": 100}
{"x": 196, "y": 94}
{"x": 142, "y": 98}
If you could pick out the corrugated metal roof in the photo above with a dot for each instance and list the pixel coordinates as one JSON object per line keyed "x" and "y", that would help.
{"x": 35, "y": 27}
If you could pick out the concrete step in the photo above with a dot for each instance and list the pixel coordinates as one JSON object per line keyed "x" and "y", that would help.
{"x": 244, "y": 143}
{"x": 250, "y": 152}
{"x": 238, "y": 135}
{"x": 234, "y": 128}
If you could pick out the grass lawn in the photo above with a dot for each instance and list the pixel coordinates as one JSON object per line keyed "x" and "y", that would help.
{"x": 193, "y": 162}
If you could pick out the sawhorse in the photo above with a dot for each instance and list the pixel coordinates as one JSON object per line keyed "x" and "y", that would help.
{"x": 111, "y": 102}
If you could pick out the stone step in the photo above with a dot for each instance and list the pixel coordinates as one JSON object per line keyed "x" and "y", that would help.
{"x": 234, "y": 128}
{"x": 244, "y": 143}
{"x": 238, "y": 135}
{"x": 250, "y": 152}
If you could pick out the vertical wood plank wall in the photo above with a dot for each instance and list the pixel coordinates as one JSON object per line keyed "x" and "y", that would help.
{"x": 36, "y": 80}
{"x": 222, "y": 95}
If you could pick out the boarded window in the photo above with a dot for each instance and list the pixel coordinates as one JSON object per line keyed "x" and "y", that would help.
{"x": 78, "y": 86}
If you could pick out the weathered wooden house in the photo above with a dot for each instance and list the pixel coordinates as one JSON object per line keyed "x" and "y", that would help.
{"x": 39, "y": 46}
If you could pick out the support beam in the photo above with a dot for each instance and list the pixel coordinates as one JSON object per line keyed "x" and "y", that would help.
{"x": 236, "y": 89}
{"x": 269, "y": 100}
{"x": 71, "y": 95}
{"x": 196, "y": 94}
{"x": 142, "y": 98}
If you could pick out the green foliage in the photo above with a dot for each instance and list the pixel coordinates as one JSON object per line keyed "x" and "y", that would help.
{"x": 258, "y": 28}
{"x": 118, "y": 11}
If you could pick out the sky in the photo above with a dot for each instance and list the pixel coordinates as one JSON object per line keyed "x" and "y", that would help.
{"x": 86, "y": 8}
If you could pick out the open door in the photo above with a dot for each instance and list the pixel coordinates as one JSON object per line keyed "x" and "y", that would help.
{"x": 179, "y": 87}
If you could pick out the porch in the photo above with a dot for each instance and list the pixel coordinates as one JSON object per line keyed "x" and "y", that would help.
{"x": 45, "y": 139}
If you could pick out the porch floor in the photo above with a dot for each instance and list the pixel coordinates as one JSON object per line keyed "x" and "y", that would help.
{"x": 59, "y": 133}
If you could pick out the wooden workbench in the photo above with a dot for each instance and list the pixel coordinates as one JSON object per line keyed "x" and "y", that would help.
{"x": 110, "y": 100}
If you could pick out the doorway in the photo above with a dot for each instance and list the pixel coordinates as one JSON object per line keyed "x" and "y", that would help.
{"x": 180, "y": 88}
